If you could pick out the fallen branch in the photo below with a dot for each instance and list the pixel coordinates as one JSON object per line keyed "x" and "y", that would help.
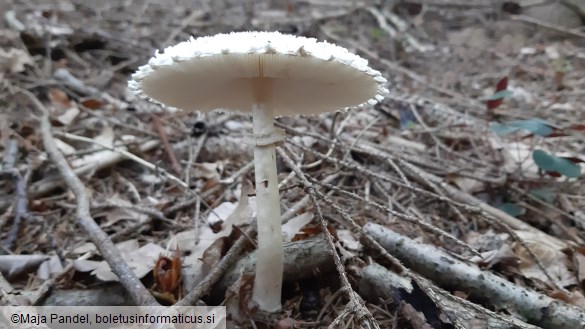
{"x": 21, "y": 202}
{"x": 302, "y": 259}
{"x": 448, "y": 271}
{"x": 110, "y": 253}
{"x": 377, "y": 282}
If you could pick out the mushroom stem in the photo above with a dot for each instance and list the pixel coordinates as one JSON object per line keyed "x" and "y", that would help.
{"x": 269, "y": 264}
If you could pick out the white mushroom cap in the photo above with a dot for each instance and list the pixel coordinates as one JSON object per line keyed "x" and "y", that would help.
{"x": 220, "y": 72}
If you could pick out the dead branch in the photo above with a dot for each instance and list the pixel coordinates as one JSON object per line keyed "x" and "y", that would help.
{"x": 21, "y": 203}
{"x": 447, "y": 271}
{"x": 377, "y": 282}
{"x": 110, "y": 253}
{"x": 302, "y": 259}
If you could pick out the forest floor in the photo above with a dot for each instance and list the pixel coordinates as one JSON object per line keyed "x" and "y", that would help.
{"x": 473, "y": 162}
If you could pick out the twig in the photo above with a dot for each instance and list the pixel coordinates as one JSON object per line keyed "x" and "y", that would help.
{"x": 110, "y": 253}
{"x": 142, "y": 162}
{"x": 48, "y": 184}
{"x": 10, "y": 155}
{"x": 129, "y": 156}
{"x": 156, "y": 122}
{"x": 219, "y": 270}
{"x": 356, "y": 305}
{"x": 554, "y": 27}
{"x": 412, "y": 75}
{"x": 402, "y": 27}
{"x": 408, "y": 218}
{"x": 194, "y": 154}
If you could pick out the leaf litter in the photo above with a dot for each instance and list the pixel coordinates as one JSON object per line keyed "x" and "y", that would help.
{"x": 83, "y": 84}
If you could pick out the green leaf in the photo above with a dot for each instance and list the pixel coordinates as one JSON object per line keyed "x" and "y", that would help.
{"x": 502, "y": 129}
{"x": 557, "y": 164}
{"x": 498, "y": 95}
{"x": 535, "y": 126}
{"x": 544, "y": 194}
{"x": 512, "y": 209}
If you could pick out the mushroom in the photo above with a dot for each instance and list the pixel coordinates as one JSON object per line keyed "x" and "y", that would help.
{"x": 267, "y": 74}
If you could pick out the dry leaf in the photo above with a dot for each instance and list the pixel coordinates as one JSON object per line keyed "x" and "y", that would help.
{"x": 286, "y": 323}
{"x": 12, "y": 266}
{"x": 235, "y": 214}
{"x": 348, "y": 240}
{"x": 295, "y": 224}
{"x": 551, "y": 256}
{"x": 232, "y": 214}
{"x": 213, "y": 254}
{"x": 466, "y": 184}
{"x": 575, "y": 297}
{"x": 92, "y": 103}
{"x": 13, "y": 60}
{"x": 239, "y": 299}
{"x": 579, "y": 263}
{"x": 311, "y": 230}
{"x": 167, "y": 272}
{"x": 62, "y": 107}
{"x": 221, "y": 213}
{"x": 50, "y": 268}
{"x": 116, "y": 214}
{"x": 209, "y": 170}
{"x": 140, "y": 260}
{"x": 106, "y": 138}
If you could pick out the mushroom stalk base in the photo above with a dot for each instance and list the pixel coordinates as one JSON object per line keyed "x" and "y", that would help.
{"x": 270, "y": 258}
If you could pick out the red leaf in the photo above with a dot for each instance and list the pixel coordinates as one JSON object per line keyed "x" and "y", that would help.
{"x": 577, "y": 127}
{"x": 574, "y": 159}
{"x": 560, "y": 132}
{"x": 494, "y": 103}
{"x": 556, "y": 133}
{"x": 501, "y": 86}
{"x": 92, "y": 103}
{"x": 553, "y": 174}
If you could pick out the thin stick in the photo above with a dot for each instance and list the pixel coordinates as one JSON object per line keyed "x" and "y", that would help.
{"x": 111, "y": 254}
{"x": 157, "y": 123}
{"x": 218, "y": 271}
{"x": 356, "y": 304}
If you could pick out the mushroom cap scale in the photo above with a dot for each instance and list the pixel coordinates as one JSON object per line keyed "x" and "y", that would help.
{"x": 303, "y": 76}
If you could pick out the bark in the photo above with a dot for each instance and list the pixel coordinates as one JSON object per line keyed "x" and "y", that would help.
{"x": 446, "y": 271}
